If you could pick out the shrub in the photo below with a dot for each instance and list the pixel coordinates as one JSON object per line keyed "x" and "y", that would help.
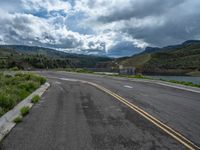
{"x": 17, "y": 119}
{"x": 81, "y": 70}
{"x": 15, "y": 88}
{"x": 139, "y": 76}
{"x": 42, "y": 80}
{"x": 1, "y": 111}
{"x": 24, "y": 110}
{"x": 19, "y": 74}
{"x": 14, "y": 69}
{"x": 8, "y": 76}
{"x": 30, "y": 86}
{"x": 22, "y": 94}
{"x": 7, "y": 101}
{"x": 35, "y": 99}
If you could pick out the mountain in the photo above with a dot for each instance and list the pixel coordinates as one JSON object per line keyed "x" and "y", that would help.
{"x": 25, "y": 57}
{"x": 182, "y": 59}
{"x": 150, "y": 50}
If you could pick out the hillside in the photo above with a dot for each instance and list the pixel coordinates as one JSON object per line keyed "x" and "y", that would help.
{"x": 28, "y": 57}
{"x": 172, "y": 60}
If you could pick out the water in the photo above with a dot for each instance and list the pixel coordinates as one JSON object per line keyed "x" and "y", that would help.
{"x": 195, "y": 80}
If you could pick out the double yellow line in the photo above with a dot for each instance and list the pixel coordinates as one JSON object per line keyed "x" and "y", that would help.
{"x": 187, "y": 143}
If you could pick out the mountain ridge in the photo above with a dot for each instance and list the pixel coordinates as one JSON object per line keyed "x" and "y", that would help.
{"x": 24, "y": 57}
{"x": 181, "y": 59}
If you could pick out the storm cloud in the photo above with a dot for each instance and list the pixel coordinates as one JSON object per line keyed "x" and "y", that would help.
{"x": 104, "y": 27}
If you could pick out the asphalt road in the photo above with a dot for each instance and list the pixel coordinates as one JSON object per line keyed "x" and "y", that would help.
{"x": 77, "y": 116}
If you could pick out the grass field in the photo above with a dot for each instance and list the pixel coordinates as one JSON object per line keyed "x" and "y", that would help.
{"x": 16, "y": 87}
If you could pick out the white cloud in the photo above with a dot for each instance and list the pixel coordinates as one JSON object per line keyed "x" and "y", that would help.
{"x": 102, "y": 25}
{"x": 49, "y": 5}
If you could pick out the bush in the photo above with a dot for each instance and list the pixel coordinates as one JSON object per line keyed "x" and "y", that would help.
{"x": 19, "y": 74}
{"x": 42, "y": 80}
{"x": 8, "y": 76}
{"x": 139, "y": 76}
{"x": 7, "y": 101}
{"x": 14, "y": 69}
{"x": 81, "y": 70}
{"x": 15, "y": 88}
{"x": 2, "y": 111}
{"x": 17, "y": 119}
{"x": 35, "y": 99}
{"x": 24, "y": 110}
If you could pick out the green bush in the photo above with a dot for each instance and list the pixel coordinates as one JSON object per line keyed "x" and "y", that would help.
{"x": 81, "y": 70}
{"x": 15, "y": 88}
{"x": 8, "y": 76}
{"x": 42, "y": 80}
{"x": 7, "y": 101}
{"x": 35, "y": 99}
{"x": 24, "y": 110}
{"x": 139, "y": 76}
{"x": 17, "y": 119}
{"x": 2, "y": 111}
{"x": 14, "y": 69}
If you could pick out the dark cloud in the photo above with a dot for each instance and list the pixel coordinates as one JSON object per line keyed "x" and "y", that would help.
{"x": 177, "y": 20}
{"x": 140, "y": 9}
{"x": 111, "y": 27}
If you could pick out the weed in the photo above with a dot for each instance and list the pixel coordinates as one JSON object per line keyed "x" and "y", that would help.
{"x": 24, "y": 110}
{"x": 17, "y": 119}
{"x": 35, "y": 99}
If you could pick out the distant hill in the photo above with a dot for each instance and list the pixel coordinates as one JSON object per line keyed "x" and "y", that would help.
{"x": 39, "y": 57}
{"x": 171, "y": 60}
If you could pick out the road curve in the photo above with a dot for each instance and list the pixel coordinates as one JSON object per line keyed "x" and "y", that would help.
{"x": 74, "y": 115}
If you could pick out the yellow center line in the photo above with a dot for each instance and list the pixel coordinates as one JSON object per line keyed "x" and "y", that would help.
{"x": 187, "y": 143}
{"x": 175, "y": 134}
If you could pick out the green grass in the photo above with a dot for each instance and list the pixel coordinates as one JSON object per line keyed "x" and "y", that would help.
{"x": 14, "y": 69}
{"x": 17, "y": 119}
{"x": 35, "y": 99}
{"x": 16, "y": 87}
{"x": 78, "y": 70}
{"x": 182, "y": 83}
{"x": 24, "y": 110}
{"x": 139, "y": 76}
{"x": 136, "y": 61}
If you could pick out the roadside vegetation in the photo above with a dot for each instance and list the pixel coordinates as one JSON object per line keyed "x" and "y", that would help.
{"x": 16, "y": 87}
{"x": 18, "y": 119}
{"x": 24, "y": 110}
{"x": 35, "y": 99}
{"x": 139, "y": 76}
{"x": 77, "y": 70}
{"x": 182, "y": 83}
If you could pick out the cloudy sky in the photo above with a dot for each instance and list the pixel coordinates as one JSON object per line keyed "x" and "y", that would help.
{"x": 104, "y": 27}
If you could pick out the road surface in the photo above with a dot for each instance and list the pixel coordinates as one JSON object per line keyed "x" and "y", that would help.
{"x": 77, "y": 116}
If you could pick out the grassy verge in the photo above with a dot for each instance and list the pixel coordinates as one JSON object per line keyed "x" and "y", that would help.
{"x": 14, "y": 88}
{"x": 171, "y": 81}
{"x": 78, "y": 70}
{"x": 182, "y": 83}
{"x": 139, "y": 76}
